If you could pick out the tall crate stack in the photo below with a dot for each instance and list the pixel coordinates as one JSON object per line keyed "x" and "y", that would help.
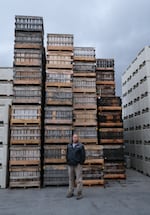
{"x": 110, "y": 126}
{"x": 6, "y": 92}
{"x": 58, "y": 107}
{"x": 26, "y": 111}
{"x": 85, "y": 113}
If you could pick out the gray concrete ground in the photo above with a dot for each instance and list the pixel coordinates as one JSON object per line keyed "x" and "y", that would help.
{"x": 130, "y": 197}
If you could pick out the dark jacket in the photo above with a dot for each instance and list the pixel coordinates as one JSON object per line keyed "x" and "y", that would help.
{"x": 75, "y": 155}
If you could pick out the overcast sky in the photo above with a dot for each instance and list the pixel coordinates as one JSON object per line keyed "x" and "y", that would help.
{"x": 118, "y": 29}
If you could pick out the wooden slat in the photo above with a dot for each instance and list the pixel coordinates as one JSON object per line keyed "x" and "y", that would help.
{"x": 93, "y": 182}
{"x": 114, "y": 176}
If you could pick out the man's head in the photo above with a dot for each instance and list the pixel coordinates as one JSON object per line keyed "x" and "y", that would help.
{"x": 75, "y": 138}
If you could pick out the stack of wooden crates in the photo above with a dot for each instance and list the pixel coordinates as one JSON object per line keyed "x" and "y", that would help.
{"x": 26, "y": 111}
{"x": 110, "y": 126}
{"x": 58, "y": 107}
{"x": 6, "y": 92}
{"x": 85, "y": 113}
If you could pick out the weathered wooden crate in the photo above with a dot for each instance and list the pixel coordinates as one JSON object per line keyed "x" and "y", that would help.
{"x": 59, "y": 60}
{"x": 102, "y": 75}
{"x": 92, "y": 172}
{"x": 55, "y": 175}
{"x": 58, "y": 96}
{"x": 84, "y": 101}
{"x": 85, "y": 118}
{"x": 60, "y": 42}
{"x": 6, "y": 88}
{"x": 27, "y": 95}
{"x": 4, "y": 140}
{"x": 114, "y": 153}
{"x": 25, "y": 135}
{"x": 4, "y": 114}
{"x": 58, "y": 134}
{"x": 29, "y": 23}
{"x": 23, "y": 155}
{"x": 84, "y": 67}
{"x": 27, "y": 114}
{"x": 19, "y": 174}
{"x": 111, "y": 133}
{"x": 27, "y": 39}
{"x": 84, "y": 54}
{"x": 94, "y": 154}
{"x": 105, "y": 63}
{"x": 55, "y": 154}
{"x": 84, "y": 85}
{"x": 58, "y": 115}
{"x": 86, "y": 134}
{"x": 27, "y": 57}
{"x": 109, "y": 101}
{"x": 27, "y": 75}
{"x": 105, "y": 90}
{"x": 114, "y": 167}
{"x": 3, "y": 177}
{"x": 110, "y": 116}
{"x": 62, "y": 78}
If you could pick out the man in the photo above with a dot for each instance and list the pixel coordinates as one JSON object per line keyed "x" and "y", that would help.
{"x": 75, "y": 158}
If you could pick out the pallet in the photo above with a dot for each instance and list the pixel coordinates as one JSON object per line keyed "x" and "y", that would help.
{"x": 84, "y": 59}
{"x": 84, "y": 90}
{"x": 25, "y": 142}
{"x": 24, "y": 184}
{"x": 21, "y": 45}
{"x": 84, "y": 74}
{"x": 109, "y": 108}
{"x": 27, "y": 82}
{"x": 28, "y": 63}
{"x": 58, "y": 66}
{"x": 58, "y": 84}
{"x": 94, "y": 161}
{"x": 85, "y": 106}
{"x": 112, "y": 83}
{"x": 60, "y": 48}
{"x": 110, "y": 124}
{"x": 25, "y": 122}
{"x": 111, "y": 141}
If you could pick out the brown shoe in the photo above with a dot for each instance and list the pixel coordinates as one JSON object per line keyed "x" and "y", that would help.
{"x": 79, "y": 196}
{"x": 69, "y": 195}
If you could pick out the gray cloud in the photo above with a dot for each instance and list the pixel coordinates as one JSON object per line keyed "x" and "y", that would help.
{"x": 117, "y": 29}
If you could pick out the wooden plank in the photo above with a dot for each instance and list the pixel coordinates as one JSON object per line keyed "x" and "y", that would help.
{"x": 58, "y": 84}
{"x": 56, "y": 140}
{"x": 28, "y": 142}
{"x": 28, "y": 63}
{"x": 86, "y": 123}
{"x": 85, "y": 106}
{"x": 94, "y": 161}
{"x": 27, "y": 81}
{"x": 87, "y": 59}
{"x": 60, "y": 48}
{"x": 93, "y": 182}
{"x": 23, "y": 162}
{"x": 55, "y": 160}
{"x": 111, "y": 141}
{"x": 110, "y": 124}
{"x": 51, "y": 102}
{"x": 84, "y": 90}
{"x": 59, "y": 66}
{"x": 114, "y": 176}
{"x": 25, "y": 121}
{"x": 105, "y": 83}
{"x": 101, "y": 108}
{"x": 84, "y": 74}
{"x": 24, "y": 184}
{"x": 26, "y": 45}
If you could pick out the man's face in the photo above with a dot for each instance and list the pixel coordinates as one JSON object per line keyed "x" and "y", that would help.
{"x": 75, "y": 138}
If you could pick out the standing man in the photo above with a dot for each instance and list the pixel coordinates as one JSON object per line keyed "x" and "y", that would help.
{"x": 75, "y": 158}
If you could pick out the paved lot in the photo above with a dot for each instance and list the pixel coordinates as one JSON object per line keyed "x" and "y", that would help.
{"x": 130, "y": 197}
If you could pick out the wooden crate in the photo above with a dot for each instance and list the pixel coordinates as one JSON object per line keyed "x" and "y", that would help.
{"x": 102, "y": 75}
{"x": 58, "y": 115}
{"x": 104, "y": 63}
{"x": 58, "y": 96}
{"x": 27, "y": 95}
{"x": 109, "y": 101}
{"x": 27, "y": 57}
{"x": 27, "y": 114}
{"x": 85, "y": 118}
{"x": 105, "y": 90}
{"x": 63, "y": 42}
{"x": 114, "y": 167}
{"x": 23, "y": 155}
{"x": 110, "y": 116}
{"x": 55, "y": 175}
{"x": 84, "y": 67}
{"x": 55, "y": 154}
{"x": 84, "y": 101}
{"x": 111, "y": 135}
{"x": 56, "y": 78}
{"x": 27, "y": 75}
{"x": 92, "y": 172}
{"x": 58, "y": 134}
{"x": 84, "y": 54}
{"x": 25, "y": 135}
{"x": 29, "y": 23}
{"x": 84, "y": 85}
{"x": 114, "y": 153}
{"x": 86, "y": 134}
